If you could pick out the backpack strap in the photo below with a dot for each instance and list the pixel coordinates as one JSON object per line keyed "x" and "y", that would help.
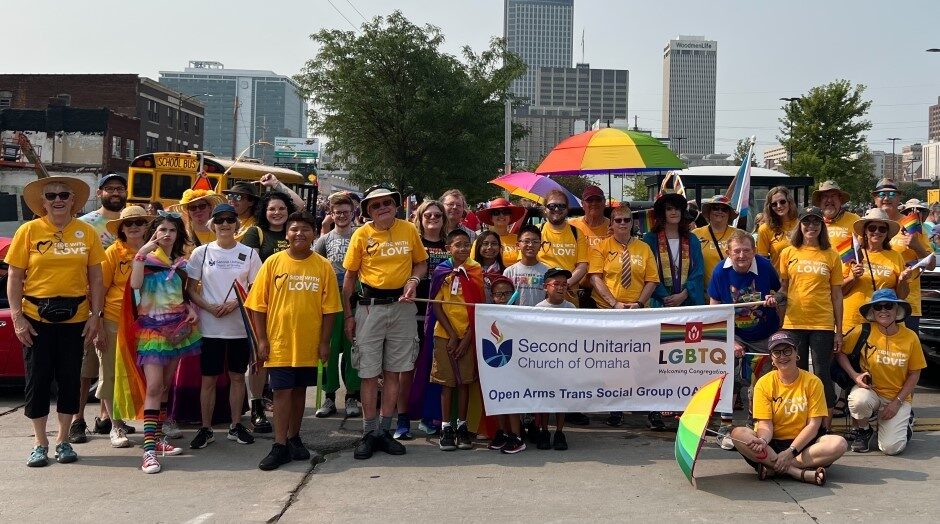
{"x": 574, "y": 230}
{"x": 260, "y": 235}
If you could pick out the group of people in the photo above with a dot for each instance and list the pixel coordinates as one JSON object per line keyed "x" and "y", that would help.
{"x": 386, "y": 303}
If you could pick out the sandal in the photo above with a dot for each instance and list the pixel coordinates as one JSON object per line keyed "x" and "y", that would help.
{"x": 819, "y": 476}
{"x": 763, "y": 472}
{"x": 840, "y": 409}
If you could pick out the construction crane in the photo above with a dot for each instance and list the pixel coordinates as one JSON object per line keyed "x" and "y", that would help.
{"x": 31, "y": 155}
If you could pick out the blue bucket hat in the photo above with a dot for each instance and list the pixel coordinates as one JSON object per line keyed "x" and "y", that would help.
{"x": 885, "y": 295}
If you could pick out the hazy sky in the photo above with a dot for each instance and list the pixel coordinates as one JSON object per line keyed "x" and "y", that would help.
{"x": 766, "y": 50}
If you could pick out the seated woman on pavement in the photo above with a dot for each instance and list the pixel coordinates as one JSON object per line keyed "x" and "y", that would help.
{"x": 789, "y": 408}
{"x": 890, "y": 364}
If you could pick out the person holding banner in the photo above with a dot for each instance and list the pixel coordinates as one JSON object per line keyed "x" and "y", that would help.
{"x": 715, "y": 236}
{"x": 528, "y": 274}
{"x": 508, "y": 438}
{"x": 811, "y": 276}
{"x": 293, "y": 302}
{"x": 780, "y": 221}
{"x": 839, "y": 222}
{"x": 622, "y": 268}
{"x": 213, "y": 268}
{"x": 789, "y": 407}
{"x": 562, "y": 244}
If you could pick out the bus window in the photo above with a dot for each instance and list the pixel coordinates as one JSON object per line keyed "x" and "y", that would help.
{"x": 172, "y": 185}
{"x": 142, "y": 186}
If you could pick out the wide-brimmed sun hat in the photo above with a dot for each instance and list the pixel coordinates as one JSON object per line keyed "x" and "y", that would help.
{"x": 913, "y": 204}
{"x": 829, "y": 185}
{"x": 875, "y": 215}
{"x": 378, "y": 191}
{"x": 33, "y": 193}
{"x": 486, "y": 215}
{"x": 194, "y": 195}
{"x": 243, "y": 188}
{"x": 885, "y": 295}
{"x": 719, "y": 200}
{"x": 113, "y": 226}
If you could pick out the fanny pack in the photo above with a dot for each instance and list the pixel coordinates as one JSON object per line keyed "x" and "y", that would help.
{"x": 56, "y": 309}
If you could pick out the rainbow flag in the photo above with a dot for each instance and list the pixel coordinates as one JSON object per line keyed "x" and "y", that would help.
{"x": 130, "y": 387}
{"x": 692, "y": 332}
{"x": 644, "y": 220}
{"x": 739, "y": 192}
{"x": 911, "y": 224}
{"x": 241, "y": 295}
{"x": 846, "y": 250}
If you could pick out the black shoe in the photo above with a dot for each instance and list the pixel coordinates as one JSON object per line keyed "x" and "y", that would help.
{"x": 862, "y": 442}
{"x": 77, "y": 432}
{"x": 499, "y": 440}
{"x": 560, "y": 443}
{"x": 203, "y": 438}
{"x": 366, "y": 446}
{"x": 130, "y": 430}
{"x": 102, "y": 427}
{"x": 530, "y": 431}
{"x": 544, "y": 440}
{"x": 464, "y": 439}
{"x": 578, "y": 419}
{"x": 297, "y": 449}
{"x": 278, "y": 456}
{"x": 259, "y": 421}
{"x": 615, "y": 420}
{"x": 513, "y": 445}
{"x": 387, "y": 443}
{"x": 655, "y": 421}
{"x": 448, "y": 439}
{"x": 241, "y": 435}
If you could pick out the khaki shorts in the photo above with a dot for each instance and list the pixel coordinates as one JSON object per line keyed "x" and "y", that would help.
{"x": 447, "y": 372}
{"x": 105, "y": 389}
{"x": 90, "y": 360}
{"x": 386, "y": 339}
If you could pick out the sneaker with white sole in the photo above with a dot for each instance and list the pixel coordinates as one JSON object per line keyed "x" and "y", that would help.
{"x": 203, "y": 438}
{"x": 723, "y": 438}
{"x": 171, "y": 429}
{"x": 165, "y": 448}
{"x": 119, "y": 437}
{"x": 352, "y": 408}
{"x": 326, "y": 409}
{"x": 240, "y": 435}
{"x": 150, "y": 464}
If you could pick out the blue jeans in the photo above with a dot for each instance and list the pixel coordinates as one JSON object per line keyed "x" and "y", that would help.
{"x": 821, "y": 342}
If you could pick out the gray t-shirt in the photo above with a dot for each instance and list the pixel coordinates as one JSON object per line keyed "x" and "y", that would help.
{"x": 529, "y": 280}
{"x": 564, "y": 304}
{"x": 333, "y": 246}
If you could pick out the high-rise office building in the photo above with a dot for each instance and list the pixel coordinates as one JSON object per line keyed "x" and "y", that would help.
{"x": 540, "y": 32}
{"x": 933, "y": 122}
{"x": 242, "y": 107}
{"x": 689, "y": 66}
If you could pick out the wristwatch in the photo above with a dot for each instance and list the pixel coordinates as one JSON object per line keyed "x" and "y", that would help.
{"x": 794, "y": 451}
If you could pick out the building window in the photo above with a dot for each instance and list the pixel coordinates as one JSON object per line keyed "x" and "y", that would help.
{"x": 6, "y": 99}
{"x": 116, "y": 147}
{"x": 169, "y": 116}
{"x": 151, "y": 144}
{"x": 185, "y": 122}
{"x": 152, "y": 113}
{"x": 129, "y": 148}
{"x": 196, "y": 125}
{"x": 65, "y": 99}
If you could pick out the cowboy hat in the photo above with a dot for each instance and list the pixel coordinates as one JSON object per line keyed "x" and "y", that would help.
{"x": 677, "y": 200}
{"x": 113, "y": 226}
{"x": 243, "y": 188}
{"x": 875, "y": 215}
{"x": 192, "y": 195}
{"x": 829, "y": 185}
{"x": 719, "y": 200}
{"x": 378, "y": 191}
{"x": 885, "y": 295}
{"x": 486, "y": 215}
{"x": 33, "y": 193}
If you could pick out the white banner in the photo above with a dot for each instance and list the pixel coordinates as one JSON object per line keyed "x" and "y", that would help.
{"x": 541, "y": 360}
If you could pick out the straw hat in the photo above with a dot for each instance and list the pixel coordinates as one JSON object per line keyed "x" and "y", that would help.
{"x": 194, "y": 195}
{"x": 875, "y": 215}
{"x": 885, "y": 184}
{"x": 829, "y": 185}
{"x": 33, "y": 193}
{"x": 914, "y": 204}
{"x": 113, "y": 226}
{"x": 515, "y": 212}
{"x": 719, "y": 200}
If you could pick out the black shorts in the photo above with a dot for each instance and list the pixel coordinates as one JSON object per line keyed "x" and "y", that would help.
{"x": 290, "y": 378}
{"x": 779, "y": 445}
{"x": 217, "y": 351}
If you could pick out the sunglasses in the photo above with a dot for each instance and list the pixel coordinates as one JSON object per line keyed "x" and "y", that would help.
{"x": 778, "y": 203}
{"x": 886, "y": 194}
{"x": 197, "y": 207}
{"x": 61, "y": 195}
{"x": 500, "y": 212}
{"x": 622, "y": 220}
{"x": 814, "y": 221}
{"x": 556, "y": 207}
{"x": 236, "y": 197}
{"x": 781, "y": 352}
{"x": 872, "y": 228}
{"x": 388, "y": 202}
{"x": 883, "y": 306}
{"x": 502, "y": 294}
{"x": 722, "y": 209}
{"x": 432, "y": 215}
{"x": 135, "y": 222}
{"x": 224, "y": 220}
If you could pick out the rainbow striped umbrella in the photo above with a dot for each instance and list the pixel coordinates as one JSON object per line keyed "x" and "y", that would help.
{"x": 692, "y": 425}
{"x": 532, "y": 186}
{"x": 608, "y": 150}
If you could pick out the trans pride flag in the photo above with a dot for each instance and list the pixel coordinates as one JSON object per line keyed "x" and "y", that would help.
{"x": 739, "y": 192}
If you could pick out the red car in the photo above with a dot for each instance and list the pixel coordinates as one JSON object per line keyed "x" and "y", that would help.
{"x": 12, "y": 370}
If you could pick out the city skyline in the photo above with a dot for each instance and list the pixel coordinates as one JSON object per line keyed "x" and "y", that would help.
{"x": 780, "y": 53}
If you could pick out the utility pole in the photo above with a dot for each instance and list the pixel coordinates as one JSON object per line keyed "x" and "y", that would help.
{"x": 894, "y": 160}
{"x": 507, "y": 141}
{"x": 791, "y": 101}
{"x": 234, "y": 127}
{"x": 678, "y": 140}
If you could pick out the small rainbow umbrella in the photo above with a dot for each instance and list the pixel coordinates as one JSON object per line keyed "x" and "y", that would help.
{"x": 693, "y": 423}
{"x": 532, "y": 186}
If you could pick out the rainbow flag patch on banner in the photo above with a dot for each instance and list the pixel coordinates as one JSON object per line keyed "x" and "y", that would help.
{"x": 693, "y": 332}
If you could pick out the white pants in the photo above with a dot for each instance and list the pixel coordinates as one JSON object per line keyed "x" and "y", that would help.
{"x": 893, "y": 434}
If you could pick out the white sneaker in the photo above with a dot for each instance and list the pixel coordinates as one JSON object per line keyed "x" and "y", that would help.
{"x": 326, "y": 409}
{"x": 723, "y": 439}
{"x": 150, "y": 463}
{"x": 171, "y": 429}
{"x": 119, "y": 437}
{"x": 352, "y": 408}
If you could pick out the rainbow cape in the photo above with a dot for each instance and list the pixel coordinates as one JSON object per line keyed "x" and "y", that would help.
{"x": 911, "y": 224}
{"x": 241, "y": 295}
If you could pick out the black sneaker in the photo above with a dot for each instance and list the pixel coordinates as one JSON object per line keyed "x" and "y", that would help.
{"x": 77, "y": 432}
{"x": 297, "y": 449}
{"x": 560, "y": 443}
{"x": 499, "y": 440}
{"x": 102, "y": 427}
{"x": 514, "y": 444}
{"x": 862, "y": 442}
{"x": 615, "y": 420}
{"x": 531, "y": 431}
{"x": 387, "y": 443}
{"x": 278, "y": 456}
{"x": 654, "y": 419}
{"x": 203, "y": 438}
{"x": 448, "y": 439}
{"x": 130, "y": 430}
{"x": 366, "y": 446}
{"x": 259, "y": 421}
{"x": 464, "y": 439}
{"x": 578, "y": 419}
{"x": 544, "y": 440}
{"x": 850, "y": 435}
{"x": 241, "y": 435}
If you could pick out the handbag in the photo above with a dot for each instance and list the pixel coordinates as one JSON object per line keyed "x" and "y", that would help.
{"x": 56, "y": 309}
{"x": 177, "y": 333}
{"x": 837, "y": 374}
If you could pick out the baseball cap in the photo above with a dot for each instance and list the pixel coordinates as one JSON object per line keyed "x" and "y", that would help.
{"x": 557, "y": 271}
{"x": 781, "y": 338}
{"x": 223, "y": 208}
{"x": 109, "y": 177}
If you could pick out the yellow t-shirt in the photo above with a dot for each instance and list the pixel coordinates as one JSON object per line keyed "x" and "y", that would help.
{"x": 811, "y": 273}
{"x": 246, "y": 224}
{"x": 510, "y": 249}
{"x": 594, "y": 235}
{"x": 710, "y": 251}
{"x": 116, "y": 270}
{"x": 771, "y": 244}
{"x": 605, "y": 260}
{"x": 384, "y": 258}
{"x": 295, "y": 294}
{"x": 789, "y": 407}
{"x": 457, "y": 315}
{"x": 888, "y": 358}
{"x": 561, "y": 248}
{"x": 56, "y": 262}
{"x": 841, "y": 228}
{"x": 910, "y": 255}
{"x": 886, "y": 266}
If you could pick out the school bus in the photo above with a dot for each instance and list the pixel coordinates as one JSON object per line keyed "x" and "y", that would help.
{"x": 164, "y": 176}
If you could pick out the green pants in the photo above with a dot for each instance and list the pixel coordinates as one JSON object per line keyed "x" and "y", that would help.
{"x": 339, "y": 344}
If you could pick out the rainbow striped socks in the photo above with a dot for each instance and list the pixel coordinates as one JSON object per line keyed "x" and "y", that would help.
{"x": 150, "y": 429}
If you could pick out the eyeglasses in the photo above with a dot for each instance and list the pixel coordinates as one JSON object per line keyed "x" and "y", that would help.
{"x": 61, "y": 195}
{"x": 388, "y": 202}
{"x": 500, "y": 212}
{"x": 201, "y": 206}
{"x": 135, "y": 222}
{"x": 557, "y": 283}
{"x": 781, "y": 352}
{"x": 622, "y": 220}
{"x": 778, "y": 203}
{"x": 556, "y": 207}
{"x": 224, "y": 220}
{"x": 886, "y": 194}
{"x": 341, "y": 213}
{"x": 883, "y": 306}
{"x": 872, "y": 228}
{"x": 432, "y": 215}
{"x": 502, "y": 294}
{"x": 114, "y": 189}
{"x": 531, "y": 242}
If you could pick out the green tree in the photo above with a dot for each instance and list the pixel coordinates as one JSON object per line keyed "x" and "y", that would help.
{"x": 396, "y": 109}
{"x": 825, "y": 129}
{"x": 635, "y": 188}
{"x": 911, "y": 190}
{"x": 740, "y": 151}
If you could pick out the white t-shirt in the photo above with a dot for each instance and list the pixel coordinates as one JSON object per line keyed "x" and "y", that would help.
{"x": 217, "y": 272}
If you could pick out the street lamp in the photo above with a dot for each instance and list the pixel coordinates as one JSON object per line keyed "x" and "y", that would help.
{"x": 894, "y": 160}
{"x": 934, "y": 50}
{"x": 791, "y": 101}
{"x": 179, "y": 114}
{"x": 679, "y": 140}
